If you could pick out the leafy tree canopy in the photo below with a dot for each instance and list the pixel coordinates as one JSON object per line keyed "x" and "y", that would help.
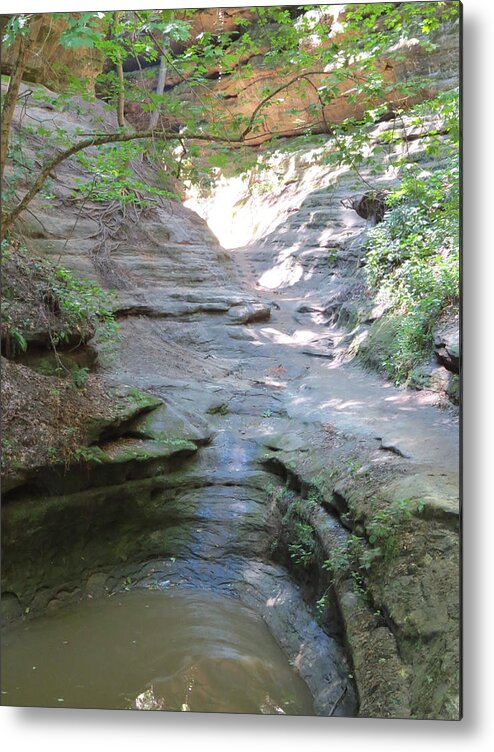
{"x": 300, "y": 46}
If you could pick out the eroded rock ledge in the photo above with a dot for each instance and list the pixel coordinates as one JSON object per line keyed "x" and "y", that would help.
{"x": 388, "y": 539}
{"x": 213, "y": 467}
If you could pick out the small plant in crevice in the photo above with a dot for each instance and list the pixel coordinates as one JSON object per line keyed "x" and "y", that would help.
{"x": 298, "y": 506}
{"x": 80, "y": 376}
{"x": 357, "y": 555}
{"x": 384, "y": 526}
{"x": 344, "y": 555}
{"x": 15, "y": 342}
{"x": 299, "y": 532}
{"x": 353, "y": 467}
{"x": 322, "y": 604}
{"x": 8, "y": 450}
{"x": 350, "y": 557}
{"x": 360, "y": 586}
{"x": 317, "y": 489}
{"x": 86, "y": 454}
{"x": 332, "y": 256}
{"x": 53, "y": 455}
{"x": 301, "y": 549}
{"x": 270, "y": 489}
{"x": 273, "y": 548}
{"x": 277, "y": 493}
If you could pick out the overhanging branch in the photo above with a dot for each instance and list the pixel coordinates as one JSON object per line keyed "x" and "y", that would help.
{"x": 9, "y": 218}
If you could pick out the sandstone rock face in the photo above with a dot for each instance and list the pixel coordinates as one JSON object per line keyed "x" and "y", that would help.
{"x": 447, "y": 347}
{"x": 175, "y": 248}
{"x": 238, "y": 94}
{"x": 49, "y": 62}
{"x": 301, "y": 219}
{"x": 193, "y": 490}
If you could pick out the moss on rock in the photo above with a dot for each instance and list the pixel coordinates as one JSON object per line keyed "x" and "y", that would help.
{"x": 395, "y": 566}
{"x": 377, "y": 346}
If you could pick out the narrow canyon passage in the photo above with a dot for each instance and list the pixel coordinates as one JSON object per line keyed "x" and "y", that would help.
{"x": 319, "y": 385}
{"x": 275, "y": 386}
{"x": 216, "y": 496}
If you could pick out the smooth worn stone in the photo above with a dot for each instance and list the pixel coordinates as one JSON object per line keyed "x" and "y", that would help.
{"x": 249, "y": 314}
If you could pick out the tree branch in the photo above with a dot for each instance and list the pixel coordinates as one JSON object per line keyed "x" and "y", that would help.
{"x": 8, "y": 218}
{"x": 278, "y": 90}
{"x": 26, "y": 41}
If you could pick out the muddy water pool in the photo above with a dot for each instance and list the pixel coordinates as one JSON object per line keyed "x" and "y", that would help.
{"x": 184, "y": 650}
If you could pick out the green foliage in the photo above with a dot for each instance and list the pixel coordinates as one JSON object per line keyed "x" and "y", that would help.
{"x": 141, "y": 399}
{"x": 322, "y": 604}
{"x": 114, "y": 177}
{"x": 345, "y": 555}
{"x": 413, "y": 255}
{"x": 83, "y": 303}
{"x": 301, "y": 549}
{"x": 86, "y": 454}
{"x": 296, "y": 521}
{"x": 17, "y": 343}
{"x": 291, "y": 40}
{"x": 82, "y": 30}
{"x": 384, "y": 526}
{"x": 351, "y": 557}
{"x": 80, "y": 377}
{"x": 16, "y": 26}
{"x": 20, "y": 166}
{"x": 39, "y": 296}
{"x": 7, "y": 446}
{"x": 356, "y": 555}
{"x": 53, "y": 455}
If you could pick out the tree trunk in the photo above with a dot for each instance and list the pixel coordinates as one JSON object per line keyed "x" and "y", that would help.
{"x": 121, "y": 97}
{"x": 26, "y": 42}
{"x": 121, "y": 85}
{"x": 160, "y": 87}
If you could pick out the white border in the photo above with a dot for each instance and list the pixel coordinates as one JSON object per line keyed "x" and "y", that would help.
{"x": 64, "y": 729}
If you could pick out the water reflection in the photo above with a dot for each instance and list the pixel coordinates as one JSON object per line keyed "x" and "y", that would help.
{"x": 183, "y": 650}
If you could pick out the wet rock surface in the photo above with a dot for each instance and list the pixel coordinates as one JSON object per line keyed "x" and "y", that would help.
{"x": 212, "y": 522}
{"x": 248, "y": 399}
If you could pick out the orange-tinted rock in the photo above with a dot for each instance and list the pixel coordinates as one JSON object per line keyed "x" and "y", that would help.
{"x": 57, "y": 65}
